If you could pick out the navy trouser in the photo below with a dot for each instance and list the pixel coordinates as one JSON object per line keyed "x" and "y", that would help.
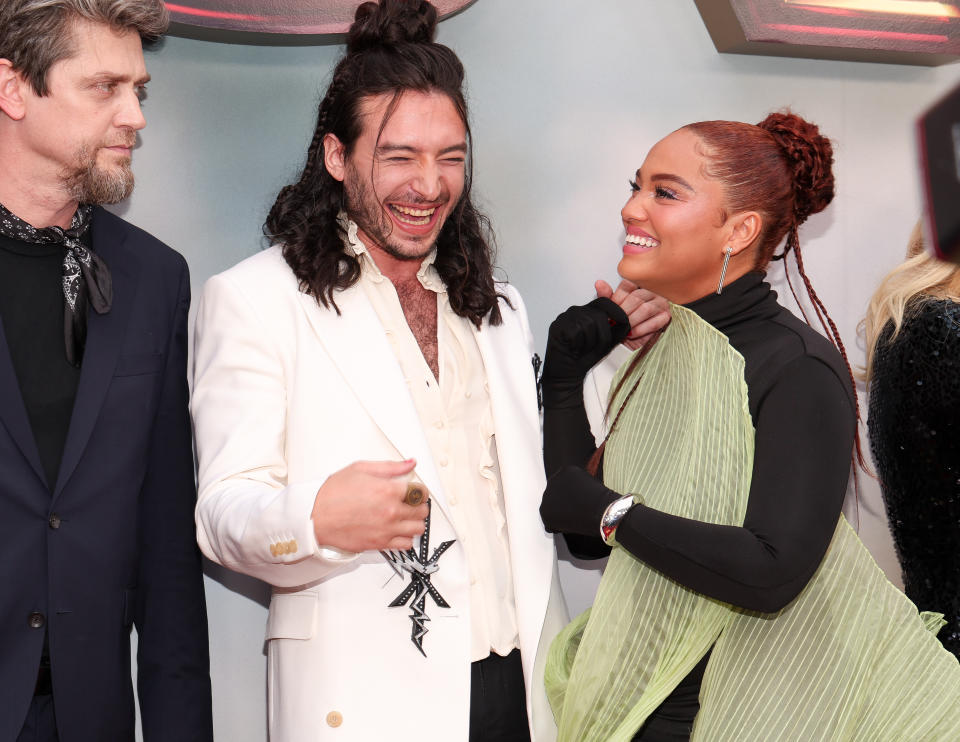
{"x": 40, "y": 724}
{"x": 498, "y": 700}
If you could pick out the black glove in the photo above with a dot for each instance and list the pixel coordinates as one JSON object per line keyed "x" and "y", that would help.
{"x": 574, "y": 502}
{"x": 578, "y": 339}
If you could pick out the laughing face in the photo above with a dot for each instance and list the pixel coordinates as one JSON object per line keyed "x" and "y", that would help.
{"x": 675, "y": 224}
{"x": 402, "y": 182}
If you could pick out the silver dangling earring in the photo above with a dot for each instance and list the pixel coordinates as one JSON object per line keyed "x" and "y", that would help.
{"x": 723, "y": 273}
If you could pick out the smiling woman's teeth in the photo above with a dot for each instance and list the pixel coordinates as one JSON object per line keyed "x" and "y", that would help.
{"x": 635, "y": 239}
{"x": 416, "y": 217}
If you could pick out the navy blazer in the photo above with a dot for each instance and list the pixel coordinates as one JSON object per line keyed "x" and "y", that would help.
{"x": 114, "y": 545}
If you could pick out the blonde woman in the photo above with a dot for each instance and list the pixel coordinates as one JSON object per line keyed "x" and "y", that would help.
{"x": 913, "y": 370}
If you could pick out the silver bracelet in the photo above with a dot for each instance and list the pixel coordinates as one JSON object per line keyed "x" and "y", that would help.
{"x": 612, "y": 516}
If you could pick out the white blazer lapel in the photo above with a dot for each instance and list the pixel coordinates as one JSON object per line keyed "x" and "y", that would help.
{"x": 508, "y": 361}
{"x": 512, "y": 382}
{"x": 357, "y": 345}
{"x": 507, "y": 357}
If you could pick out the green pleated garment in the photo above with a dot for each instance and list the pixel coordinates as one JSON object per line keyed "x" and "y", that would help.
{"x": 849, "y": 659}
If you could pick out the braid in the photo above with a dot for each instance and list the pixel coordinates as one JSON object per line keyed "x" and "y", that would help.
{"x": 313, "y": 152}
{"x": 304, "y": 217}
{"x": 792, "y": 241}
{"x": 782, "y": 168}
{"x": 324, "y": 126}
{"x": 593, "y": 465}
{"x": 331, "y": 102}
{"x": 390, "y": 50}
{"x": 831, "y": 331}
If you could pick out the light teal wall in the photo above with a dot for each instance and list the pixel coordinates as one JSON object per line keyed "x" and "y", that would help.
{"x": 566, "y": 99}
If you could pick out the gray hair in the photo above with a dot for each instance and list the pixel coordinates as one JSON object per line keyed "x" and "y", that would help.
{"x": 35, "y": 34}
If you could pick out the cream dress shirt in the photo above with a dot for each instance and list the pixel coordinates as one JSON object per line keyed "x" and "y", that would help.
{"x": 458, "y": 423}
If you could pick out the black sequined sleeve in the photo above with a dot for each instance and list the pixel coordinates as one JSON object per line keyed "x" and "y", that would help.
{"x": 914, "y": 426}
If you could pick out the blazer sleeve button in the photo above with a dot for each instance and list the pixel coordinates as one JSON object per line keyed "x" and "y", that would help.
{"x": 334, "y": 719}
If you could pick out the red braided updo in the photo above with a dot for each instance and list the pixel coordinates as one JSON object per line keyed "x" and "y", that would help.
{"x": 781, "y": 169}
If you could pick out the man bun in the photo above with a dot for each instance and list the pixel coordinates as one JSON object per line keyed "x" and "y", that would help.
{"x": 390, "y": 52}
{"x": 392, "y": 23}
{"x": 809, "y": 157}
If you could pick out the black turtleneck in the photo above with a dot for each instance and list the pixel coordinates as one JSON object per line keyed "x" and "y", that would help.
{"x": 803, "y": 413}
{"x": 31, "y": 310}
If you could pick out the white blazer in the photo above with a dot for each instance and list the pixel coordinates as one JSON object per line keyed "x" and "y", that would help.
{"x": 285, "y": 393}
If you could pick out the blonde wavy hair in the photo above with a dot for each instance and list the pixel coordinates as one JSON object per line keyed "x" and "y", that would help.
{"x": 921, "y": 276}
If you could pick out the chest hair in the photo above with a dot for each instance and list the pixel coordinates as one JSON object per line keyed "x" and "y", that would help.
{"x": 420, "y": 310}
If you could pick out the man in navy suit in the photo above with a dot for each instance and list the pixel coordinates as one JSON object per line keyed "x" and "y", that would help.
{"x": 96, "y": 467}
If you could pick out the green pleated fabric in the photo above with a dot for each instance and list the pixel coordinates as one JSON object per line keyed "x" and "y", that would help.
{"x": 849, "y": 659}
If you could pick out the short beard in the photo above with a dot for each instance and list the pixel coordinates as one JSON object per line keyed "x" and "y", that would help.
{"x": 366, "y": 211}
{"x": 87, "y": 183}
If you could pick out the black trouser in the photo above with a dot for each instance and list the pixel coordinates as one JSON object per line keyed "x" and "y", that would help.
{"x": 673, "y": 719}
{"x": 498, "y": 701}
{"x": 40, "y": 724}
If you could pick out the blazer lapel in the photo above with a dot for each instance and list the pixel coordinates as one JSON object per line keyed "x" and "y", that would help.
{"x": 357, "y": 345}
{"x": 13, "y": 413}
{"x": 513, "y": 398}
{"x": 104, "y": 338}
{"x": 510, "y": 375}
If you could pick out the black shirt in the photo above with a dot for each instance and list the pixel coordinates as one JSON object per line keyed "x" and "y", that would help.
{"x": 32, "y": 311}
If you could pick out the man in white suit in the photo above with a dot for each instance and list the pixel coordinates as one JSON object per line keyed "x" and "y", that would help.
{"x": 368, "y": 350}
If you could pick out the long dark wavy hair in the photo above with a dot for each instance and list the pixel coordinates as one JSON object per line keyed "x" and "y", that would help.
{"x": 390, "y": 50}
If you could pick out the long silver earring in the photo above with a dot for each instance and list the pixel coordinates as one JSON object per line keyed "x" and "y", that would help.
{"x": 723, "y": 273}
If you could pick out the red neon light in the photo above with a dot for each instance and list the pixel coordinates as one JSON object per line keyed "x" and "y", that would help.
{"x": 859, "y": 32}
{"x": 187, "y": 10}
{"x": 860, "y": 13}
{"x": 827, "y": 11}
{"x": 945, "y": 10}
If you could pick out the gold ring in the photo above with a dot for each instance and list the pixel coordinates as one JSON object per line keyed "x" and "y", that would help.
{"x": 415, "y": 494}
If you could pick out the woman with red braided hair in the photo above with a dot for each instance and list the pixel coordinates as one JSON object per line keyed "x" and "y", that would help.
{"x": 737, "y": 603}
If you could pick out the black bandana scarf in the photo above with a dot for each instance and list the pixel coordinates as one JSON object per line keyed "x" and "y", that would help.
{"x": 86, "y": 278}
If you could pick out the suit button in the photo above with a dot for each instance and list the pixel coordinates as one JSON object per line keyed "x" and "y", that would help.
{"x": 37, "y": 620}
{"x": 334, "y": 719}
{"x": 54, "y": 521}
